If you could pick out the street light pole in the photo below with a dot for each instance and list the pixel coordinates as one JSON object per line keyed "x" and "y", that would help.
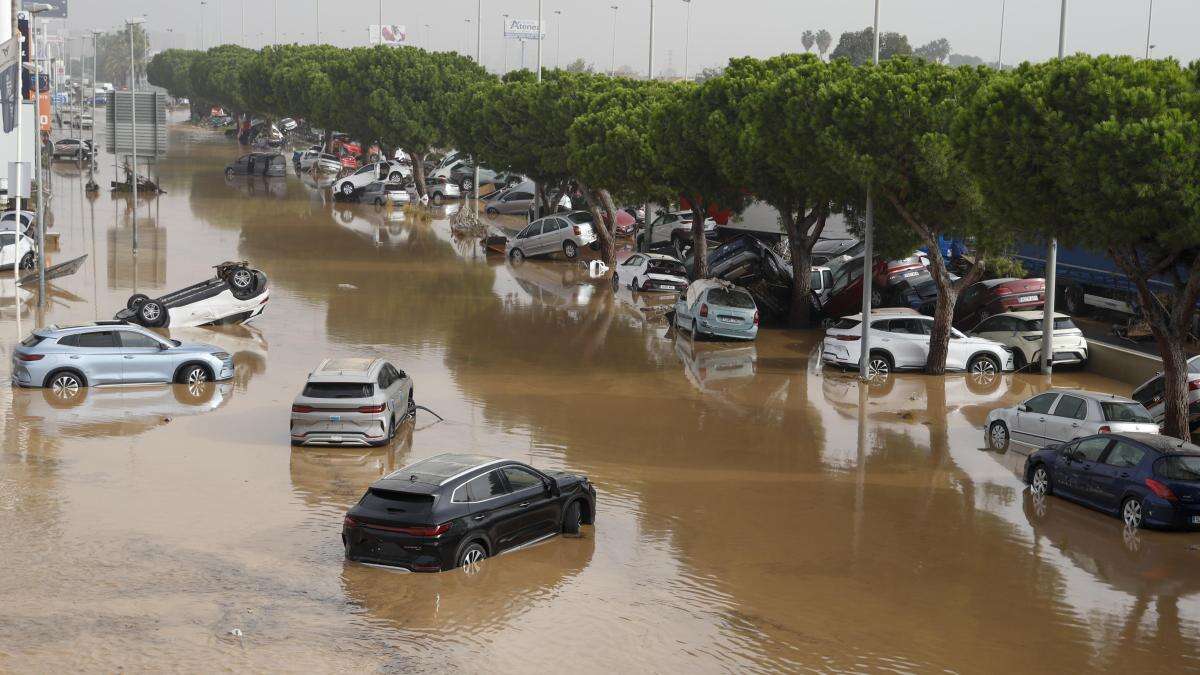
{"x": 541, "y": 34}
{"x": 1149, "y": 21}
{"x": 317, "y": 19}
{"x": 380, "y": 21}
{"x": 242, "y": 24}
{"x": 612, "y": 68}
{"x": 650, "y": 66}
{"x": 558, "y": 38}
{"x": 687, "y": 37}
{"x": 864, "y": 357}
{"x": 129, "y": 24}
{"x": 275, "y": 29}
{"x": 504, "y": 43}
{"x": 202, "y": 4}
{"x": 1000, "y": 54}
{"x": 1052, "y": 248}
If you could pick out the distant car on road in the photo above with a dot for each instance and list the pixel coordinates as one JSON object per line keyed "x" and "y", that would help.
{"x": 455, "y": 510}
{"x": 72, "y": 148}
{"x": 718, "y": 309}
{"x": 565, "y": 233}
{"x": 66, "y": 358}
{"x": 237, "y": 294}
{"x": 1152, "y": 392}
{"x": 1062, "y": 415}
{"x": 257, "y": 164}
{"x": 1022, "y": 331}
{"x": 650, "y": 272}
{"x": 1145, "y": 479}
{"x": 352, "y": 401}
{"x": 900, "y": 341}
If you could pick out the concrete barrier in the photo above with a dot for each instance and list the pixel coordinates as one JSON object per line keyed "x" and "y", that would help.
{"x": 1121, "y": 364}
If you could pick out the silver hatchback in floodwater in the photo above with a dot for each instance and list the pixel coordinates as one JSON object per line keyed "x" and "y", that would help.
{"x": 352, "y": 401}
{"x": 1062, "y": 415}
{"x": 564, "y": 233}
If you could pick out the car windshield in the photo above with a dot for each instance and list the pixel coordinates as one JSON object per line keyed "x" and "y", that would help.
{"x": 731, "y": 298}
{"x": 666, "y": 267}
{"x": 1060, "y": 323}
{"x": 1179, "y": 467}
{"x": 846, "y": 324}
{"x": 1116, "y": 411}
{"x": 339, "y": 389}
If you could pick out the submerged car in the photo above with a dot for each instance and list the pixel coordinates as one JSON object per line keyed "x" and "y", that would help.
{"x": 369, "y": 173}
{"x": 900, "y": 341}
{"x": 1152, "y": 394}
{"x": 650, "y": 272}
{"x": 352, "y": 401}
{"x": 237, "y": 294}
{"x": 564, "y": 233}
{"x": 257, "y": 164}
{"x": 1062, "y": 415}
{"x": 437, "y": 191}
{"x": 718, "y": 309}
{"x": 65, "y": 358}
{"x": 381, "y": 192}
{"x": 72, "y": 148}
{"x": 1022, "y": 331}
{"x": 14, "y": 248}
{"x": 455, "y": 510}
{"x": 1145, "y": 479}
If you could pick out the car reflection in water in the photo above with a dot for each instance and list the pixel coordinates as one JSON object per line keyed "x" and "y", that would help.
{"x": 1155, "y": 570}
{"x": 259, "y": 186}
{"x": 381, "y": 226}
{"x": 338, "y": 476}
{"x": 710, "y": 367}
{"x": 96, "y": 412}
{"x": 560, "y": 285}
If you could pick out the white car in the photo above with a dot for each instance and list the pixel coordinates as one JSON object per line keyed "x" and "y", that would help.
{"x": 1152, "y": 394}
{"x": 1022, "y": 331}
{"x": 821, "y": 282}
{"x": 236, "y": 295}
{"x": 287, "y": 124}
{"x": 650, "y": 272}
{"x": 369, "y": 173}
{"x": 13, "y": 249}
{"x": 900, "y": 341}
{"x": 321, "y": 161}
{"x": 1062, "y": 415}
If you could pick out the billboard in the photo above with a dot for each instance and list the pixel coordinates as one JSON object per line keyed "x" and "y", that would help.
{"x": 393, "y": 35}
{"x": 524, "y": 29}
{"x": 58, "y": 9}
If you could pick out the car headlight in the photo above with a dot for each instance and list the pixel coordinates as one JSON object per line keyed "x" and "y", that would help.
{"x": 223, "y": 356}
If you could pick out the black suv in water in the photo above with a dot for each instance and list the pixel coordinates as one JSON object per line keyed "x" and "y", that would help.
{"x": 452, "y": 510}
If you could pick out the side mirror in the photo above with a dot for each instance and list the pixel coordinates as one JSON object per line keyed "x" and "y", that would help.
{"x": 163, "y": 347}
{"x": 1022, "y": 408}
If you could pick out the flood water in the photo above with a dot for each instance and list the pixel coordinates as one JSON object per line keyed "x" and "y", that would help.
{"x": 750, "y": 518}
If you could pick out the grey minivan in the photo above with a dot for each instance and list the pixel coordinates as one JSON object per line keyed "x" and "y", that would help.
{"x": 565, "y": 232}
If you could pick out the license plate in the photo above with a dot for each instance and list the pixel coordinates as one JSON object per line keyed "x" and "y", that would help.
{"x": 335, "y": 418}
{"x": 909, "y": 275}
{"x": 1027, "y": 298}
{"x": 335, "y": 439}
{"x": 730, "y": 319}
{"x": 1196, "y": 520}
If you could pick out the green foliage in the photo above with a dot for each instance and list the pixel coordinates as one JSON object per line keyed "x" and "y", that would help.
{"x": 858, "y": 47}
{"x": 112, "y": 54}
{"x": 170, "y": 70}
{"x": 936, "y": 51}
{"x": 216, "y": 76}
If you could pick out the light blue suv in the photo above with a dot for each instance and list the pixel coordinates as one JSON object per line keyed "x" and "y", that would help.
{"x": 112, "y": 352}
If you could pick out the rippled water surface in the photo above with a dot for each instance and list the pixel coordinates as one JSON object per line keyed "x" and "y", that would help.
{"x": 749, "y": 517}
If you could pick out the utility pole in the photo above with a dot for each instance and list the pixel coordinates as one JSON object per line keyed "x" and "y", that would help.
{"x": 687, "y": 37}
{"x": 37, "y": 154}
{"x": 1052, "y": 249}
{"x": 317, "y": 19}
{"x": 380, "y": 21}
{"x": 17, "y": 189}
{"x": 1000, "y": 54}
{"x": 275, "y": 30}
{"x": 650, "y": 67}
{"x": 558, "y": 37}
{"x": 504, "y": 42}
{"x": 478, "y": 60}
{"x": 1149, "y": 22}
{"x": 864, "y": 358}
{"x": 202, "y": 4}
{"x": 242, "y": 25}
{"x": 612, "y": 68}
{"x": 541, "y": 34}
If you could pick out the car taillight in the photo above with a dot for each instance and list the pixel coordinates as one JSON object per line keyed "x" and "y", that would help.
{"x": 371, "y": 408}
{"x": 704, "y": 309}
{"x": 349, "y": 522}
{"x": 848, "y": 338}
{"x": 302, "y": 408}
{"x": 756, "y": 317}
{"x": 31, "y": 357}
{"x": 1193, "y": 385}
{"x": 1161, "y": 490}
{"x": 425, "y": 531}
{"x": 1003, "y": 290}
{"x": 578, "y": 232}
{"x": 1105, "y": 430}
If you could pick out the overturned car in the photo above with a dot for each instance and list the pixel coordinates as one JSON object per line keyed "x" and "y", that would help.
{"x": 235, "y": 295}
{"x": 752, "y": 264}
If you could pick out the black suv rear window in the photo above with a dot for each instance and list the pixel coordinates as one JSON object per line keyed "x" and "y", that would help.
{"x": 408, "y": 503}
{"x": 339, "y": 389}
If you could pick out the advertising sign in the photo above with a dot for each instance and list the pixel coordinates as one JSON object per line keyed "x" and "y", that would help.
{"x": 44, "y": 111}
{"x": 58, "y": 9}
{"x": 524, "y": 29}
{"x": 10, "y": 82}
{"x": 393, "y": 35}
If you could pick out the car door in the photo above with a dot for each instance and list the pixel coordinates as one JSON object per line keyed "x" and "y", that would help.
{"x": 144, "y": 358}
{"x": 1076, "y": 469}
{"x": 628, "y": 270}
{"x": 527, "y": 239}
{"x": 383, "y": 383}
{"x": 1064, "y": 422}
{"x": 901, "y": 338}
{"x": 959, "y": 350}
{"x": 97, "y": 354}
{"x": 537, "y": 511}
{"x": 545, "y": 240}
{"x": 1115, "y": 473}
{"x": 493, "y": 508}
{"x": 1029, "y": 422}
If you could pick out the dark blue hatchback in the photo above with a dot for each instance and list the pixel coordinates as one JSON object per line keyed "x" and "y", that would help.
{"x": 1146, "y": 479}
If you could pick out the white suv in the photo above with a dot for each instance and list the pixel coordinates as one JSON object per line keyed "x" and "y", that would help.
{"x": 1023, "y": 332}
{"x": 391, "y": 171}
{"x": 900, "y": 341}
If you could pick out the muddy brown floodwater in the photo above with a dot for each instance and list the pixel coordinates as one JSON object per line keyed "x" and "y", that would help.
{"x": 750, "y": 518}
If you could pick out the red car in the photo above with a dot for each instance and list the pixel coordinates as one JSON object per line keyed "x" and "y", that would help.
{"x": 996, "y": 296}
{"x": 893, "y": 273}
{"x": 625, "y": 223}
{"x": 845, "y": 296}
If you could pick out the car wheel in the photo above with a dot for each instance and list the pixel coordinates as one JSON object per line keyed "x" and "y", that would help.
{"x": 241, "y": 279}
{"x": 193, "y": 375}
{"x": 28, "y": 261}
{"x": 570, "y": 250}
{"x": 229, "y": 174}
{"x": 1040, "y": 483}
{"x": 66, "y": 388}
{"x": 983, "y": 369}
{"x": 347, "y": 189}
{"x": 1131, "y": 513}
{"x": 998, "y": 436}
{"x": 879, "y": 367}
{"x": 378, "y": 202}
{"x": 436, "y": 199}
{"x": 194, "y": 393}
{"x": 471, "y": 556}
{"x": 152, "y": 313}
{"x": 395, "y": 176}
{"x": 136, "y": 300}
{"x": 516, "y": 256}
{"x": 466, "y": 185}
{"x": 633, "y": 284}
{"x": 876, "y": 297}
{"x": 572, "y": 518}
{"x": 491, "y": 211}
{"x": 616, "y": 283}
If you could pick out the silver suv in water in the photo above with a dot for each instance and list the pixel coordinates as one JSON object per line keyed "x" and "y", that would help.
{"x": 65, "y": 358}
{"x": 352, "y": 401}
{"x": 1062, "y": 415}
{"x": 562, "y": 232}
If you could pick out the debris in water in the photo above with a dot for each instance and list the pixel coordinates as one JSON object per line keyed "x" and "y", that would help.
{"x": 236, "y": 632}
{"x": 348, "y": 287}
{"x": 597, "y": 269}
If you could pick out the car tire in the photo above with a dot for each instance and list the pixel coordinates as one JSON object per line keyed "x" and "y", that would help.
{"x": 570, "y": 249}
{"x": 192, "y": 374}
{"x": 229, "y": 174}
{"x": 65, "y": 388}
{"x": 492, "y": 211}
{"x": 998, "y": 438}
{"x": 471, "y": 555}
{"x": 516, "y": 256}
{"x": 1040, "y": 481}
{"x": 436, "y": 199}
{"x": 1133, "y": 513}
{"x": 152, "y": 314}
{"x": 28, "y": 261}
{"x": 466, "y": 185}
{"x": 136, "y": 300}
{"x": 378, "y": 202}
{"x": 984, "y": 365}
{"x": 616, "y": 283}
{"x": 194, "y": 393}
{"x": 876, "y": 297}
{"x": 395, "y": 176}
{"x": 347, "y": 189}
{"x": 241, "y": 279}
{"x": 572, "y": 518}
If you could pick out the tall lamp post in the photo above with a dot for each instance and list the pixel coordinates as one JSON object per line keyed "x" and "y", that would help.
{"x": 650, "y": 67}
{"x": 1052, "y": 249}
{"x": 687, "y": 37}
{"x": 1149, "y": 22}
{"x": 317, "y": 19}
{"x": 504, "y": 42}
{"x": 612, "y": 67}
{"x": 129, "y": 24}
{"x": 33, "y": 9}
{"x": 558, "y": 37}
{"x": 541, "y": 34}
{"x": 92, "y": 186}
{"x": 864, "y": 358}
{"x": 1000, "y": 53}
{"x": 202, "y": 4}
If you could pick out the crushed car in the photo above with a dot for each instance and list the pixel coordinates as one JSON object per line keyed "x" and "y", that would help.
{"x": 237, "y": 294}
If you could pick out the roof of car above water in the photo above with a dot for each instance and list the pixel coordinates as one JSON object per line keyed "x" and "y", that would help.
{"x": 440, "y": 469}
{"x": 1097, "y": 395}
{"x": 1166, "y": 444}
{"x": 351, "y": 368}
{"x": 55, "y": 329}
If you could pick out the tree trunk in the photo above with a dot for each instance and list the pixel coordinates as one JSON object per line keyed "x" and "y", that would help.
{"x": 800, "y": 243}
{"x": 600, "y": 202}
{"x": 939, "y": 339}
{"x": 1175, "y": 381}
{"x": 418, "y": 166}
{"x": 699, "y": 243}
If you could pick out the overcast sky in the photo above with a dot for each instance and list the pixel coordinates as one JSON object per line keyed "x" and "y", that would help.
{"x": 719, "y": 28}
